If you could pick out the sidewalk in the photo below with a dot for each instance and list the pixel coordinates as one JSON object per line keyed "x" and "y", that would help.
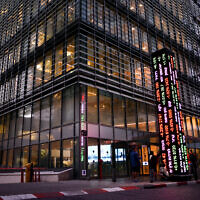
{"x": 79, "y": 187}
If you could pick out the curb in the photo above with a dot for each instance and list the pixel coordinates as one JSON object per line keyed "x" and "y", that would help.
{"x": 95, "y": 191}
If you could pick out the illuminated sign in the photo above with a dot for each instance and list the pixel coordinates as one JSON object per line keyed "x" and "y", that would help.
{"x": 170, "y": 119}
{"x": 83, "y": 133}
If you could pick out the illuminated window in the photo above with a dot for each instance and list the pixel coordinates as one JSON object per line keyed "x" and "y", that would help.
{"x": 70, "y": 55}
{"x": 189, "y": 126}
{"x": 134, "y": 32}
{"x": 194, "y": 124}
{"x": 38, "y": 72}
{"x": 58, "y": 60}
{"x": 101, "y": 56}
{"x": 50, "y": 26}
{"x": 48, "y": 66}
{"x": 132, "y": 5}
{"x": 41, "y": 34}
{"x": 157, "y": 20}
{"x": 138, "y": 75}
{"x": 90, "y": 51}
{"x": 141, "y": 9}
{"x": 160, "y": 44}
{"x": 34, "y": 155}
{"x": 145, "y": 47}
{"x": 114, "y": 61}
{"x": 147, "y": 77}
{"x": 124, "y": 29}
{"x": 127, "y": 70}
{"x": 164, "y": 26}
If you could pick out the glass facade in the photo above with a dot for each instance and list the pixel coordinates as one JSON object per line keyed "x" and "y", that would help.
{"x": 80, "y": 70}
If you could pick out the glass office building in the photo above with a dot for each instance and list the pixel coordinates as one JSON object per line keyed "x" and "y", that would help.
{"x": 76, "y": 82}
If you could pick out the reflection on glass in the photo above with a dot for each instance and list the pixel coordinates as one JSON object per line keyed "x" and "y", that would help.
{"x": 19, "y": 122}
{"x": 141, "y": 9}
{"x": 30, "y": 75}
{"x": 55, "y": 154}
{"x": 56, "y": 110}
{"x": 157, "y": 21}
{"x": 41, "y": 34}
{"x": 38, "y": 72}
{"x": 27, "y": 119}
{"x": 70, "y": 55}
{"x": 35, "y": 116}
{"x": 4, "y": 155}
{"x": 68, "y": 153}
{"x": 60, "y": 21}
{"x": 44, "y": 152}
{"x": 118, "y": 109}
{"x": 45, "y": 113}
{"x": 25, "y": 155}
{"x": 132, "y": 5}
{"x": 105, "y": 108}
{"x": 32, "y": 41}
{"x": 71, "y": 12}
{"x": 48, "y": 67}
{"x": 131, "y": 113}
{"x": 58, "y": 60}
{"x": 151, "y": 118}
{"x": 50, "y": 26}
{"x": 142, "y": 118}
{"x": 92, "y": 105}
{"x": 17, "y": 157}
{"x": 68, "y": 106}
{"x": 101, "y": 56}
{"x": 10, "y": 158}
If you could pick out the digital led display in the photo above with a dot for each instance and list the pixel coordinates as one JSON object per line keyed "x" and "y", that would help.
{"x": 170, "y": 120}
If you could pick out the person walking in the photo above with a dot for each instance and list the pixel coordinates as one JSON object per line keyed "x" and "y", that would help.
{"x": 135, "y": 163}
{"x": 193, "y": 162}
{"x": 152, "y": 166}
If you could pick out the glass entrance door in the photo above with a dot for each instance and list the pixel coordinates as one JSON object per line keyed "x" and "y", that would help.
{"x": 120, "y": 159}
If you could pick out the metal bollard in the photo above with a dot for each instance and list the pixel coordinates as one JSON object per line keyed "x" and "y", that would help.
{"x": 22, "y": 175}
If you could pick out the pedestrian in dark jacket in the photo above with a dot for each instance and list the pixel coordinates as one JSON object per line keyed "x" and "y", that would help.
{"x": 193, "y": 160}
{"x": 152, "y": 166}
{"x": 135, "y": 163}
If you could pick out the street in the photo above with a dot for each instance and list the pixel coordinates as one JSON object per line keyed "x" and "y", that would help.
{"x": 189, "y": 192}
